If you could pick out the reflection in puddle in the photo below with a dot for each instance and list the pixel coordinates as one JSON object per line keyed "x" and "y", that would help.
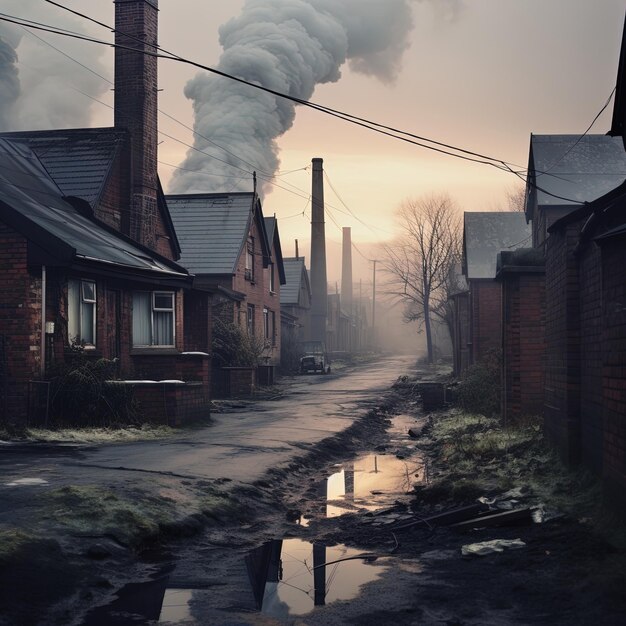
{"x": 175, "y": 606}
{"x": 361, "y": 483}
{"x": 292, "y": 577}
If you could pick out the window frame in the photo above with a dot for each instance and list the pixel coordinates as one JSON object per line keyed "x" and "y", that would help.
{"x": 83, "y": 301}
{"x": 154, "y": 309}
{"x": 272, "y": 281}
{"x": 250, "y": 319}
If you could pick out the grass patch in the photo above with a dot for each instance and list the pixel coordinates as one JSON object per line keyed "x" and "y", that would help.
{"x": 94, "y": 510}
{"x": 12, "y": 541}
{"x": 145, "y": 432}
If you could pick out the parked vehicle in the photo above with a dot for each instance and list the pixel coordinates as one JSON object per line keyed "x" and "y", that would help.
{"x": 314, "y": 357}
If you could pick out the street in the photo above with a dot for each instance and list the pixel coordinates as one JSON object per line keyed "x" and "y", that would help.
{"x": 83, "y": 497}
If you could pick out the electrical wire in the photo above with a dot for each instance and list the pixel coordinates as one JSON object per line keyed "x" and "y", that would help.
{"x": 374, "y": 126}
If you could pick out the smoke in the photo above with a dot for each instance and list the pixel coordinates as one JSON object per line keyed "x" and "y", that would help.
{"x": 289, "y": 46}
{"x": 38, "y": 85}
{"x": 447, "y": 10}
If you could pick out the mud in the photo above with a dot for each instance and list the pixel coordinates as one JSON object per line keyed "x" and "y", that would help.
{"x": 205, "y": 572}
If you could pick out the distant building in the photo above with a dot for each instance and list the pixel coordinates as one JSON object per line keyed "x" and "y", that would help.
{"x": 484, "y": 235}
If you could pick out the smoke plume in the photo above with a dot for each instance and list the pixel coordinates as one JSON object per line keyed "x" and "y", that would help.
{"x": 289, "y": 46}
{"x": 38, "y": 85}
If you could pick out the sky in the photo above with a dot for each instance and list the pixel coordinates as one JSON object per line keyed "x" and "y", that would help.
{"x": 479, "y": 74}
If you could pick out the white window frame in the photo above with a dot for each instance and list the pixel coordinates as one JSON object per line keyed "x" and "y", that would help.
{"x": 154, "y": 309}
{"x": 272, "y": 281}
{"x": 79, "y": 290}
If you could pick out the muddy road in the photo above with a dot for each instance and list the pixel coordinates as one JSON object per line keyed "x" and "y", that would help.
{"x": 291, "y": 511}
{"x": 105, "y": 525}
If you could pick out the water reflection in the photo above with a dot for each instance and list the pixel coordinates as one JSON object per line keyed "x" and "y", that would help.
{"x": 292, "y": 577}
{"x": 356, "y": 483}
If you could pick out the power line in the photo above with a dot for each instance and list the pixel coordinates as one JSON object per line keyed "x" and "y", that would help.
{"x": 363, "y": 122}
{"x": 374, "y": 126}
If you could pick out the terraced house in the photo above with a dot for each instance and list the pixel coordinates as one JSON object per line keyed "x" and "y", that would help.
{"x": 88, "y": 252}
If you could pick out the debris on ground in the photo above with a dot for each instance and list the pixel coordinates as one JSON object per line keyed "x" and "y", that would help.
{"x": 490, "y": 547}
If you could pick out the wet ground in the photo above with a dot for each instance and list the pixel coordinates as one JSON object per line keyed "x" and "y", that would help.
{"x": 323, "y": 480}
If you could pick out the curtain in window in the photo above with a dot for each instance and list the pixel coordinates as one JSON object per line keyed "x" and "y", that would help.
{"x": 142, "y": 315}
{"x": 87, "y": 315}
{"x": 73, "y": 311}
{"x": 163, "y": 328}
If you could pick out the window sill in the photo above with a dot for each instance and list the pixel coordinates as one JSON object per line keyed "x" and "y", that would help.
{"x": 154, "y": 351}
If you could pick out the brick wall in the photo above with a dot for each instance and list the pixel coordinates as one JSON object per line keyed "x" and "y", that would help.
{"x": 562, "y": 374}
{"x": 20, "y": 322}
{"x": 258, "y": 295}
{"x": 523, "y": 344}
{"x": 614, "y": 367}
{"x": 486, "y": 318}
{"x": 136, "y": 87}
{"x": 591, "y": 356}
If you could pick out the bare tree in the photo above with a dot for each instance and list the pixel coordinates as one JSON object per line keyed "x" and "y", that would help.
{"x": 421, "y": 264}
{"x": 516, "y": 198}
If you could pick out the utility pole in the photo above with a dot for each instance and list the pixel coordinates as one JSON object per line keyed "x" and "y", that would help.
{"x": 374, "y": 261}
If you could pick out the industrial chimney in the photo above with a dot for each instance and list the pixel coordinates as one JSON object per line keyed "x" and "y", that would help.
{"x": 319, "y": 286}
{"x": 136, "y": 24}
{"x": 346, "y": 271}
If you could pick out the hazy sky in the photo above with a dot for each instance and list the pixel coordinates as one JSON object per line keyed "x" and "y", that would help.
{"x": 479, "y": 74}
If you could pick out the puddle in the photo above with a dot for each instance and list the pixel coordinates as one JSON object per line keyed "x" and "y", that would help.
{"x": 26, "y": 482}
{"x": 370, "y": 482}
{"x": 291, "y": 577}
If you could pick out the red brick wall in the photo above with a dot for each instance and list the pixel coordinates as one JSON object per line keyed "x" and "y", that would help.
{"x": 486, "y": 318}
{"x": 20, "y": 321}
{"x": 562, "y": 373}
{"x": 523, "y": 350}
{"x": 591, "y": 356}
{"x": 136, "y": 109}
{"x": 258, "y": 294}
{"x": 614, "y": 367}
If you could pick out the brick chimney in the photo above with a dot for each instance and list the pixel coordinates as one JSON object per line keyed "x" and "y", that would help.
{"x": 319, "y": 286}
{"x": 136, "y": 23}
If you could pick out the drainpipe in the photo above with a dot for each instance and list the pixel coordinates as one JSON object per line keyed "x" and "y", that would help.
{"x": 43, "y": 322}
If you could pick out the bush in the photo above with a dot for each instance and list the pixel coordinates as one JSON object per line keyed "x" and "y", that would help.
{"x": 233, "y": 347}
{"x": 80, "y": 394}
{"x": 479, "y": 389}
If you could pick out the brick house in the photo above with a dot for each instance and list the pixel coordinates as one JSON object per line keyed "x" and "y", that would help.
{"x": 234, "y": 251}
{"x": 484, "y": 235}
{"x": 88, "y": 250}
{"x": 295, "y": 295}
{"x": 521, "y": 274}
{"x": 585, "y": 392}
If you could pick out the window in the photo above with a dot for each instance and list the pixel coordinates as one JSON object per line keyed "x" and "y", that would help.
{"x": 249, "y": 273}
{"x": 269, "y": 326}
{"x": 81, "y": 318}
{"x": 270, "y": 270}
{"x": 250, "y": 319}
{"x": 153, "y": 318}
{"x": 266, "y": 324}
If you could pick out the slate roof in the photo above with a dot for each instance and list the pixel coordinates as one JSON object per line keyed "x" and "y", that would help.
{"x": 78, "y": 160}
{"x": 273, "y": 240}
{"x": 33, "y": 204}
{"x": 487, "y": 234}
{"x": 295, "y": 273}
{"x": 578, "y": 170}
{"x": 212, "y": 229}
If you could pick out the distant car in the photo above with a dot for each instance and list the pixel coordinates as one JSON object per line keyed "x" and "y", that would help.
{"x": 314, "y": 357}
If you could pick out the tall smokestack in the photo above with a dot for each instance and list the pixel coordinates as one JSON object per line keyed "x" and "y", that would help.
{"x": 136, "y": 23}
{"x": 346, "y": 271}
{"x": 319, "y": 285}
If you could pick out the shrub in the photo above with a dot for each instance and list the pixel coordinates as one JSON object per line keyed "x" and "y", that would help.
{"x": 80, "y": 394}
{"x": 479, "y": 389}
